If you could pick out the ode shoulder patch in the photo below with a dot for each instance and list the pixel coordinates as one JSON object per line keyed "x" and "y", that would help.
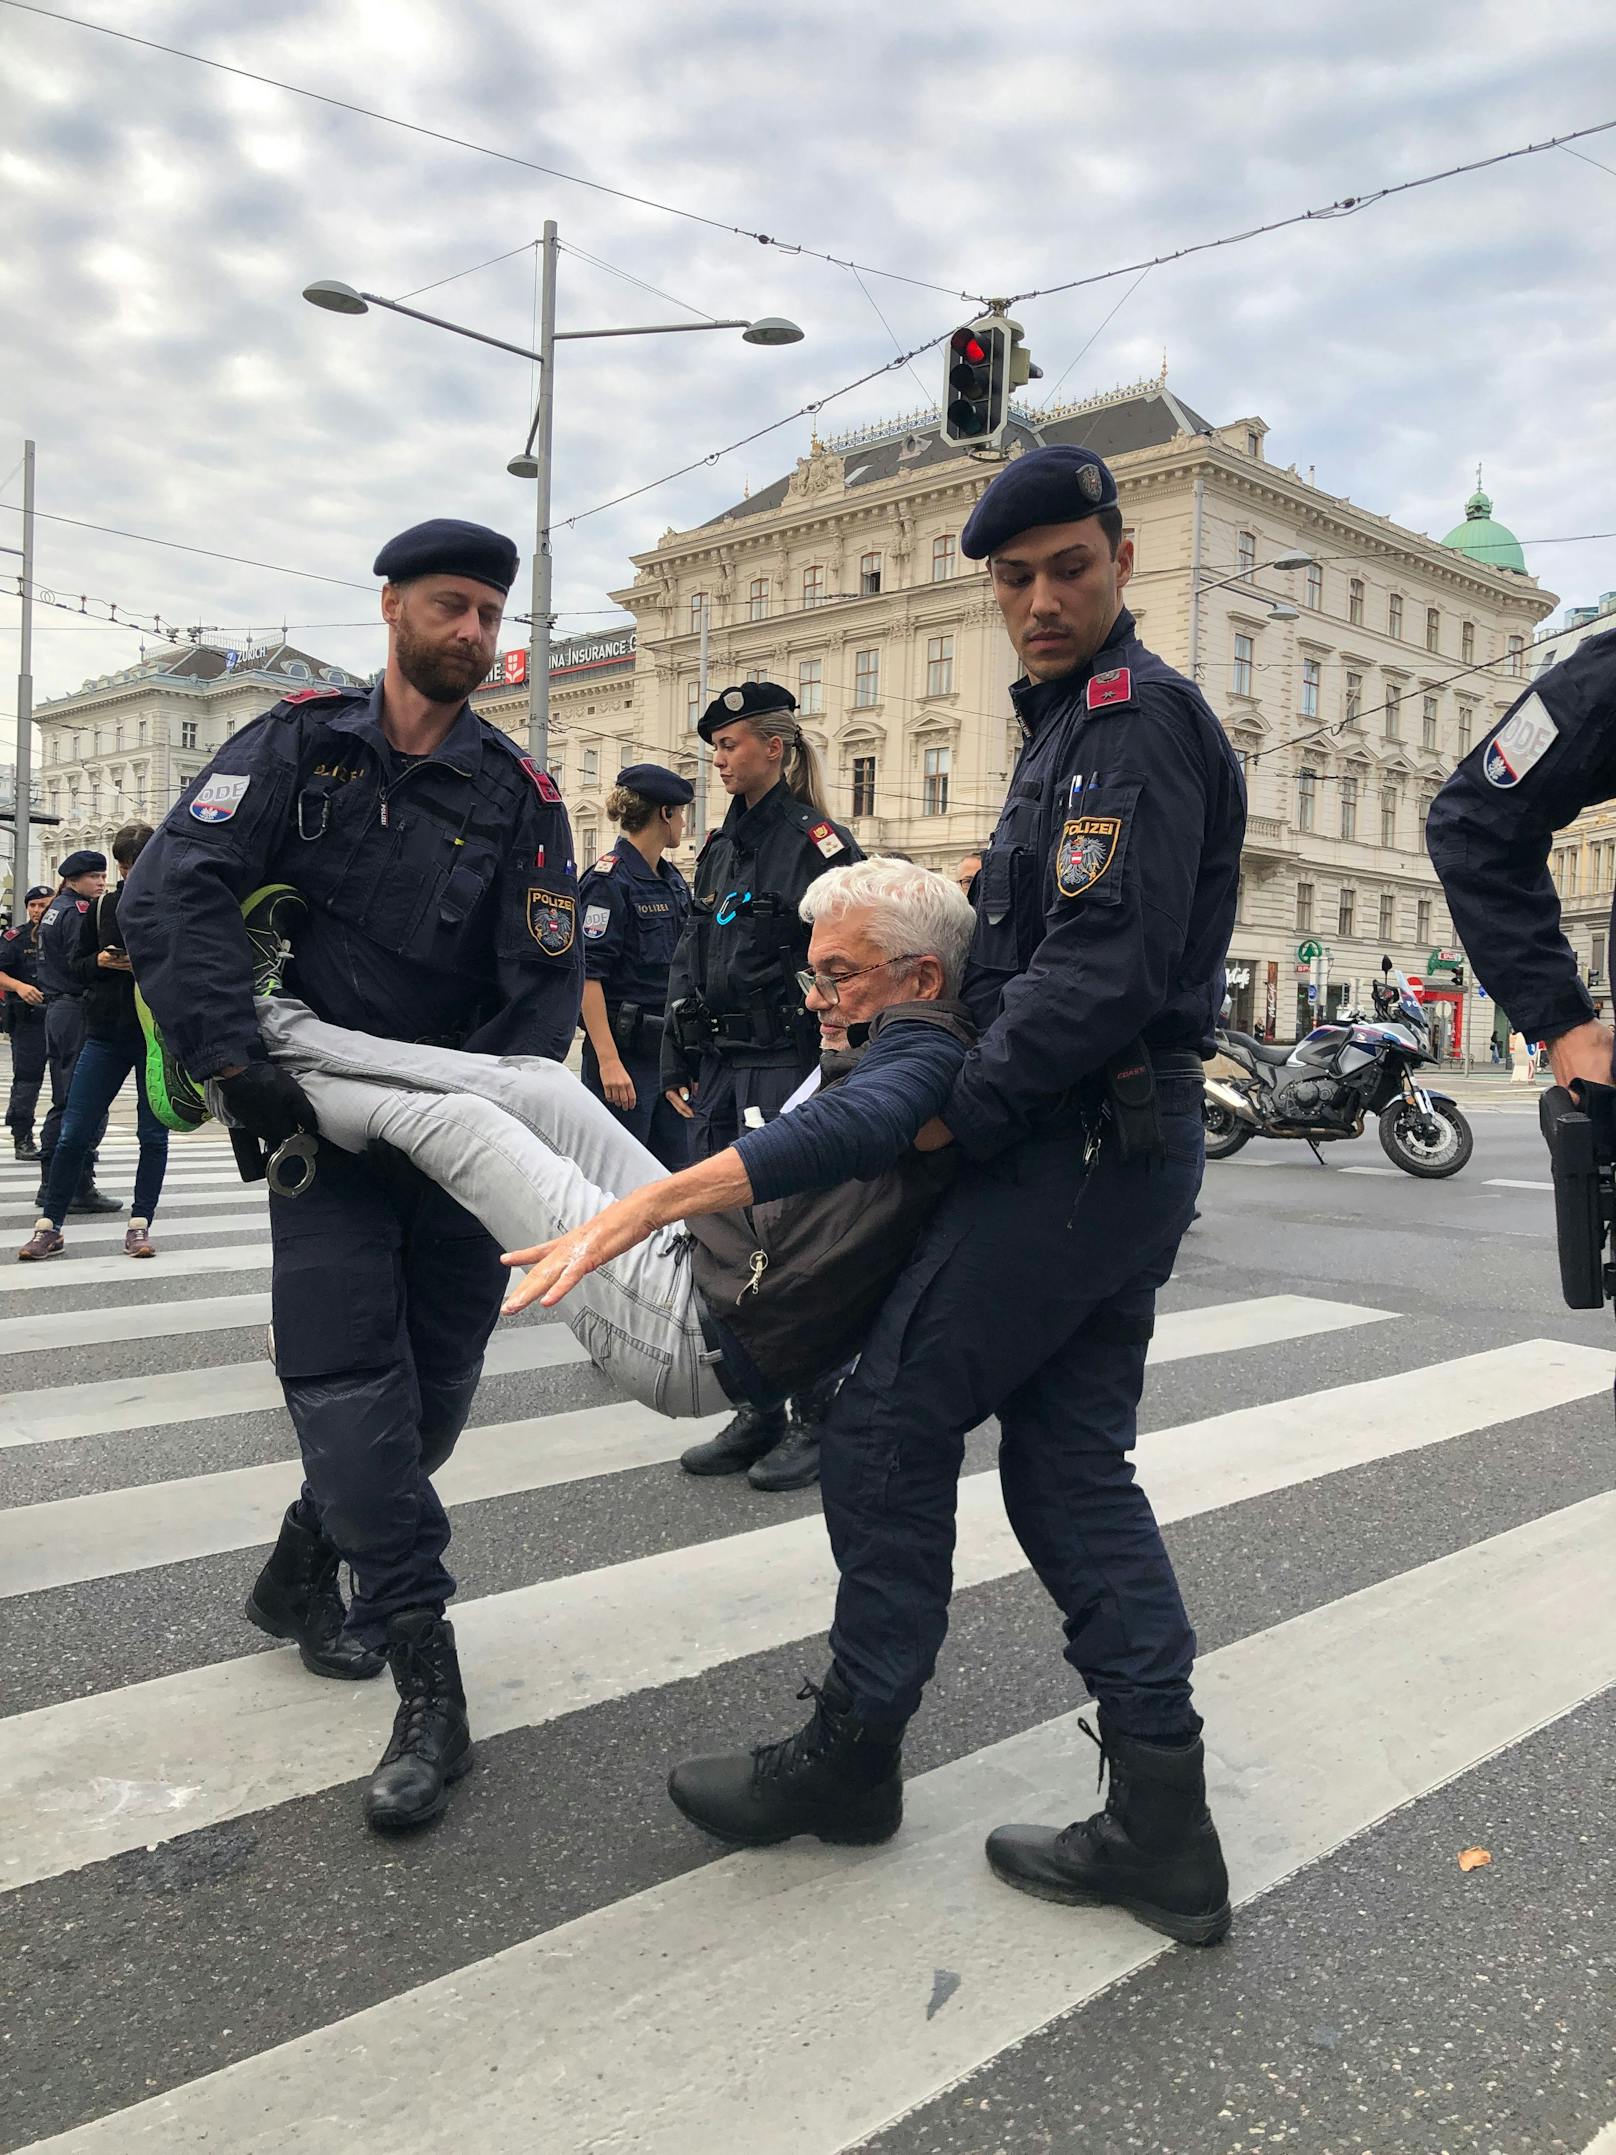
{"x": 1521, "y": 743}
{"x": 217, "y": 798}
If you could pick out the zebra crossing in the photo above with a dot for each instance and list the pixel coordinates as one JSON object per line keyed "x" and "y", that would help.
{"x": 203, "y": 1949}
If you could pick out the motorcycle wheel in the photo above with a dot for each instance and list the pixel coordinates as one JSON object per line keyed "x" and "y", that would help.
{"x": 1225, "y": 1132}
{"x": 1432, "y": 1160}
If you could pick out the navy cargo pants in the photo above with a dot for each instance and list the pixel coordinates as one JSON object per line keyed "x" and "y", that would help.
{"x": 1032, "y": 1297}
{"x": 725, "y": 1089}
{"x": 384, "y": 1294}
{"x": 653, "y": 1118}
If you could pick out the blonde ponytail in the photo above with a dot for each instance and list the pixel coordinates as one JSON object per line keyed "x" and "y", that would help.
{"x": 799, "y": 766}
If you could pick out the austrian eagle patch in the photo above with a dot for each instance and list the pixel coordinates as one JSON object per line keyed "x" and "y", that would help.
{"x": 1088, "y": 846}
{"x": 551, "y": 918}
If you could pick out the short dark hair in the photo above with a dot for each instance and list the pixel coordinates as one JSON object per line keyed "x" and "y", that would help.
{"x": 1110, "y": 522}
{"x": 128, "y": 843}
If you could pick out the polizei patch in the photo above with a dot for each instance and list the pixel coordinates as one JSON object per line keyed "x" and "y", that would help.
{"x": 550, "y": 921}
{"x": 1088, "y": 846}
{"x": 217, "y": 798}
{"x": 1522, "y": 742}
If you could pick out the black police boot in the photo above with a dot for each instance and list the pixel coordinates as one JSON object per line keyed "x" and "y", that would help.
{"x": 839, "y": 1778}
{"x": 793, "y": 1463}
{"x": 431, "y": 1746}
{"x": 297, "y": 1597}
{"x": 90, "y": 1199}
{"x": 1153, "y": 1850}
{"x": 22, "y": 1144}
{"x": 752, "y": 1432}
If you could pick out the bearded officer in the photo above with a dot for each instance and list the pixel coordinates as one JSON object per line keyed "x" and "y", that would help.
{"x": 84, "y": 878}
{"x": 739, "y": 1042}
{"x": 25, "y": 1020}
{"x": 1104, "y": 907}
{"x": 437, "y": 865}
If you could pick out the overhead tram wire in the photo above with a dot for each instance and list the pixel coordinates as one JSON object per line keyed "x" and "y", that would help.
{"x": 479, "y": 149}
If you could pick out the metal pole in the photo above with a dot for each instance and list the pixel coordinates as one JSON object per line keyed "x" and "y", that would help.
{"x": 703, "y": 692}
{"x": 538, "y": 650}
{"x": 1195, "y": 582}
{"x": 25, "y": 693}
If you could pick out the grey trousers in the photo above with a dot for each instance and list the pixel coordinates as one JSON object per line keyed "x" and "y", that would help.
{"x": 526, "y": 1150}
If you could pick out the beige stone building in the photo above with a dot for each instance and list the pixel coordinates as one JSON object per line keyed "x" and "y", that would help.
{"x": 592, "y": 720}
{"x": 1336, "y": 679}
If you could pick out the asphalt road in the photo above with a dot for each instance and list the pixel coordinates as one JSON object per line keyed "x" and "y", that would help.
{"x": 1383, "y": 1453}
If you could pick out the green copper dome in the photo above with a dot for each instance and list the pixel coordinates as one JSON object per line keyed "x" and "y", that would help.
{"x": 1489, "y": 545}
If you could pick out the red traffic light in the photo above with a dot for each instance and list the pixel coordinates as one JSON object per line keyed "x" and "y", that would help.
{"x": 969, "y": 346}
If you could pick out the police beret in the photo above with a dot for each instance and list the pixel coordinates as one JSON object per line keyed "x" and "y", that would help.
{"x": 40, "y": 890}
{"x": 748, "y": 699}
{"x": 83, "y": 863}
{"x": 1056, "y": 485}
{"x": 446, "y": 547}
{"x": 655, "y": 782}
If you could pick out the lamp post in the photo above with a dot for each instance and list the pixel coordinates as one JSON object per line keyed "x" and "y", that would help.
{"x": 1279, "y": 609}
{"x": 535, "y": 461}
{"x": 25, "y": 691}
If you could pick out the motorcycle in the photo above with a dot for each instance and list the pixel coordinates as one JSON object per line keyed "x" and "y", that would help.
{"x": 1322, "y": 1089}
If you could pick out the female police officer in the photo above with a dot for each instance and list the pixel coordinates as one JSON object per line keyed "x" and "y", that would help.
{"x": 633, "y": 904}
{"x": 738, "y": 1041}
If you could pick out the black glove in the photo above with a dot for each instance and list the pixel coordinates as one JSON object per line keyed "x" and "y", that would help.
{"x": 268, "y": 1101}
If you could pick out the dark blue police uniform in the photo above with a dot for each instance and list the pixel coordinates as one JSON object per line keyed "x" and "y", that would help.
{"x": 442, "y": 906}
{"x": 59, "y": 930}
{"x": 1104, "y": 909}
{"x": 25, "y": 1023}
{"x": 632, "y": 916}
{"x": 1491, "y": 827}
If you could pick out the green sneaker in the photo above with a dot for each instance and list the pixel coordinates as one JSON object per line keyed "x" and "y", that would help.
{"x": 270, "y": 915}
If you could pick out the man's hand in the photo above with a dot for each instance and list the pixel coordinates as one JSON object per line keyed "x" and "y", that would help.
{"x": 267, "y": 1101}
{"x": 617, "y": 1085}
{"x": 679, "y": 1098}
{"x": 933, "y": 1136}
{"x": 28, "y": 994}
{"x": 1586, "y": 1051}
{"x": 114, "y": 961}
{"x": 558, "y": 1266}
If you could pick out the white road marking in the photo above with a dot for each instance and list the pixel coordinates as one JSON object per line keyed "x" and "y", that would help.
{"x": 97, "y": 1327}
{"x": 1504, "y": 1182}
{"x": 233, "y": 1261}
{"x": 176, "y": 1196}
{"x": 88, "y": 1229}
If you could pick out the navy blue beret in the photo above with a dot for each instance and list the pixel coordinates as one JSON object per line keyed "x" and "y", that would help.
{"x": 40, "y": 890}
{"x": 1056, "y": 485}
{"x": 655, "y": 782}
{"x": 446, "y": 547}
{"x": 83, "y": 863}
{"x": 748, "y": 699}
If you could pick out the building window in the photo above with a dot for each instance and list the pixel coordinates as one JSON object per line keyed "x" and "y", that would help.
{"x": 698, "y": 606}
{"x": 590, "y": 775}
{"x": 1467, "y": 720}
{"x": 1388, "y": 816}
{"x": 942, "y": 558}
{"x": 1306, "y": 799}
{"x": 1388, "y": 917}
{"x": 757, "y": 599}
{"x": 589, "y": 842}
{"x": 1394, "y": 713}
{"x": 1243, "y": 658}
{"x": 1315, "y": 586}
{"x": 1355, "y": 601}
{"x": 1253, "y": 442}
{"x": 1346, "y": 908}
{"x": 145, "y": 722}
{"x": 1433, "y": 629}
{"x": 758, "y": 673}
{"x": 940, "y": 666}
{"x": 692, "y": 703}
{"x": 864, "y": 786}
{"x": 1311, "y": 675}
{"x": 869, "y": 575}
{"x": 1596, "y": 961}
{"x": 1516, "y": 647}
{"x": 1394, "y": 615}
{"x": 811, "y": 686}
{"x": 1353, "y": 708}
{"x": 813, "y": 585}
{"x": 187, "y": 733}
{"x": 1428, "y": 722}
{"x": 1422, "y": 923}
{"x": 1304, "y": 907}
{"x": 866, "y": 680}
{"x": 1467, "y": 641}
{"x": 558, "y": 757}
{"x": 1246, "y": 551}
{"x": 934, "y": 782}
{"x": 1349, "y": 807}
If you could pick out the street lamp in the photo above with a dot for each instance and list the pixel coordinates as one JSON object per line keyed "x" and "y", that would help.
{"x": 1278, "y": 609}
{"x": 535, "y": 461}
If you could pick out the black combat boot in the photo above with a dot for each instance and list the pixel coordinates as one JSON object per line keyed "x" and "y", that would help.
{"x": 431, "y": 1746}
{"x": 297, "y": 1597}
{"x": 90, "y": 1199}
{"x": 752, "y": 1432}
{"x": 22, "y": 1144}
{"x": 839, "y": 1778}
{"x": 1153, "y": 1850}
{"x": 794, "y": 1461}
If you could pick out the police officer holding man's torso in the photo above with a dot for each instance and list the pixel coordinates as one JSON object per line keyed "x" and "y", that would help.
{"x": 632, "y": 907}
{"x": 738, "y": 1041}
{"x": 1104, "y": 908}
{"x": 84, "y": 878}
{"x": 437, "y": 867}
{"x": 25, "y": 1021}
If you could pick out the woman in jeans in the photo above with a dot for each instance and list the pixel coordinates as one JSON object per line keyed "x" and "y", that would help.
{"x": 113, "y": 1046}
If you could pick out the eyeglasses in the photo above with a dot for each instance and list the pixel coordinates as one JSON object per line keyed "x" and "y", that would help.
{"x": 830, "y": 985}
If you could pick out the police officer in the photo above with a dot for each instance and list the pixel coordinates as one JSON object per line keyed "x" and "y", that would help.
{"x": 25, "y": 1021}
{"x": 1104, "y": 908}
{"x": 84, "y": 878}
{"x": 633, "y": 904}
{"x": 738, "y": 1041}
{"x": 436, "y": 863}
{"x": 1489, "y": 832}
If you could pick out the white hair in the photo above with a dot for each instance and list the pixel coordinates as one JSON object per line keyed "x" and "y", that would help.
{"x": 913, "y": 911}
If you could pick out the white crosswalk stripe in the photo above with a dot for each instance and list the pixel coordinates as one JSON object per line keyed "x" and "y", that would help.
{"x": 616, "y": 2028}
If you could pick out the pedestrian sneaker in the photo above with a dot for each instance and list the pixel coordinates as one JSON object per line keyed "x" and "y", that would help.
{"x": 839, "y": 1778}
{"x": 431, "y": 1745}
{"x": 296, "y": 1596}
{"x": 45, "y": 1241}
{"x": 137, "y": 1242}
{"x": 1153, "y": 1850}
{"x": 749, "y": 1433}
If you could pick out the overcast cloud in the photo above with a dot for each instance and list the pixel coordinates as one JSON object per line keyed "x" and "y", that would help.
{"x": 160, "y": 220}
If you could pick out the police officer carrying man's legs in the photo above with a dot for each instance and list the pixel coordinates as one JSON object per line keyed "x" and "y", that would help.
{"x": 1104, "y": 907}
{"x": 25, "y": 1021}
{"x": 633, "y": 904}
{"x": 739, "y": 1042}
{"x": 436, "y": 864}
{"x": 84, "y": 878}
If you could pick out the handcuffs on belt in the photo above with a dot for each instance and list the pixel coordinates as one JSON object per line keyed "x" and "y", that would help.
{"x": 298, "y": 1151}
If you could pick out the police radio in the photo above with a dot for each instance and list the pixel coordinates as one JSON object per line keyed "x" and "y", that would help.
{"x": 1579, "y": 1127}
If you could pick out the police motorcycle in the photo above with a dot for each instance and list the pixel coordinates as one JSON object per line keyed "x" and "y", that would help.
{"x": 1322, "y": 1089}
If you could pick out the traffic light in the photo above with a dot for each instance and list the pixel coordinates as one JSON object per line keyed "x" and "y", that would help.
{"x": 976, "y": 403}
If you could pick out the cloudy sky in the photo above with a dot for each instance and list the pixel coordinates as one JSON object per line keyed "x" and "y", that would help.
{"x": 161, "y": 219}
